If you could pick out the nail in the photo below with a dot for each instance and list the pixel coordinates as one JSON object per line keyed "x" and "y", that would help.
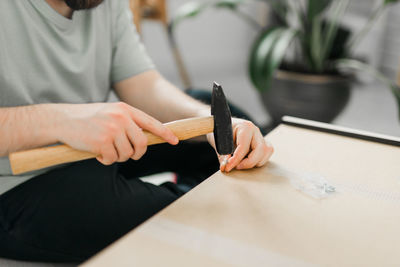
{"x": 224, "y": 161}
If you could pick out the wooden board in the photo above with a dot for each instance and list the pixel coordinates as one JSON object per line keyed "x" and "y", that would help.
{"x": 257, "y": 217}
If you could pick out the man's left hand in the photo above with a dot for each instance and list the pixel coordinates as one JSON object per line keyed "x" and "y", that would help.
{"x": 252, "y": 150}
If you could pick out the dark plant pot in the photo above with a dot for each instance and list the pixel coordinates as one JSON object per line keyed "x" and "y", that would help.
{"x": 314, "y": 97}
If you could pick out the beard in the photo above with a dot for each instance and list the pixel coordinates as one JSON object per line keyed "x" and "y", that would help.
{"x": 82, "y": 4}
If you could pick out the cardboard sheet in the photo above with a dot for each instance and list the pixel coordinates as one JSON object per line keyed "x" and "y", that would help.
{"x": 257, "y": 218}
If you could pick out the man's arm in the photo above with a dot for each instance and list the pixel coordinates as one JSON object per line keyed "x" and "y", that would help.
{"x": 154, "y": 95}
{"x": 151, "y": 93}
{"x": 111, "y": 130}
{"x": 27, "y": 127}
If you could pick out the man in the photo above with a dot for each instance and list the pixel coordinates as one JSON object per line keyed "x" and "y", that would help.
{"x": 58, "y": 60}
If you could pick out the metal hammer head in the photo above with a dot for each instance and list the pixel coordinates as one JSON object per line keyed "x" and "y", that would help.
{"x": 222, "y": 121}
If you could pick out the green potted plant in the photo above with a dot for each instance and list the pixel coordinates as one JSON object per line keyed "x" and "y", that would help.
{"x": 300, "y": 64}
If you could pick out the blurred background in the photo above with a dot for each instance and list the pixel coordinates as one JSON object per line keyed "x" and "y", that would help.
{"x": 215, "y": 46}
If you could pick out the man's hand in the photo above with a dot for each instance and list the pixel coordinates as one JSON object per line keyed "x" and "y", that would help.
{"x": 111, "y": 130}
{"x": 251, "y": 148}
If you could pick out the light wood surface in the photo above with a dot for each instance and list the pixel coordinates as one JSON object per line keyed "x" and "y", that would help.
{"x": 30, "y": 160}
{"x": 257, "y": 217}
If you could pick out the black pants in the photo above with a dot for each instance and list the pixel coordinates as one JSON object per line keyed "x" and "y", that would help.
{"x": 70, "y": 213}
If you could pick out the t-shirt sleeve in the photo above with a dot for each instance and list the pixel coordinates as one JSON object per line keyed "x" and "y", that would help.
{"x": 129, "y": 56}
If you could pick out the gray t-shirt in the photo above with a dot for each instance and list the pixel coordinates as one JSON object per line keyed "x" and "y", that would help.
{"x": 47, "y": 58}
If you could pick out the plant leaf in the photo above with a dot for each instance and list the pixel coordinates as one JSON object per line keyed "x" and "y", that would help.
{"x": 188, "y": 10}
{"x": 280, "y": 8}
{"x": 277, "y": 54}
{"x": 361, "y": 66}
{"x": 390, "y": 1}
{"x": 312, "y": 38}
{"x": 231, "y": 4}
{"x": 267, "y": 54}
{"x": 332, "y": 28}
{"x": 316, "y": 44}
{"x": 315, "y": 8}
{"x": 192, "y": 9}
{"x": 259, "y": 54}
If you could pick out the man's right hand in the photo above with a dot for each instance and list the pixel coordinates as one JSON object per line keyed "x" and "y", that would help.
{"x": 113, "y": 131}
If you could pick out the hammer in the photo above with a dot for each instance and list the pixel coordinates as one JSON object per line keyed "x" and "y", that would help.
{"x": 220, "y": 123}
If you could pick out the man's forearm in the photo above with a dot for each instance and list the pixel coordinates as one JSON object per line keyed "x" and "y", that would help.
{"x": 112, "y": 131}
{"x": 159, "y": 98}
{"x": 173, "y": 104}
{"x": 27, "y": 127}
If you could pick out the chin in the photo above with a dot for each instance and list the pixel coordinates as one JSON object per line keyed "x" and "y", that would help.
{"x": 83, "y": 4}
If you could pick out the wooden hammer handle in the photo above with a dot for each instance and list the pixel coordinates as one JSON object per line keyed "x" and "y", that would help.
{"x": 39, "y": 158}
